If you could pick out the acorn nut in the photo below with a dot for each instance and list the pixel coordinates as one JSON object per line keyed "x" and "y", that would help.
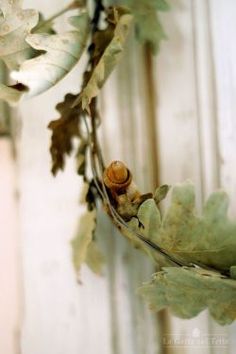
{"x": 117, "y": 176}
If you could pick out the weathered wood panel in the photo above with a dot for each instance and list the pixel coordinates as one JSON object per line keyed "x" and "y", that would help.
{"x": 60, "y": 315}
{"x": 178, "y": 131}
{"x": 10, "y": 264}
{"x": 194, "y": 109}
{"x": 223, "y": 27}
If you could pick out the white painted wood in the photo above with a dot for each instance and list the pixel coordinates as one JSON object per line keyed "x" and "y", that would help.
{"x": 188, "y": 122}
{"x": 122, "y": 119}
{"x": 178, "y": 129}
{"x": 223, "y": 24}
{"x": 60, "y": 316}
{"x": 195, "y": 92}
{"x": 201, "y": 77}
{"x": 10, "y": 266}
{"x": 206, "y": 98}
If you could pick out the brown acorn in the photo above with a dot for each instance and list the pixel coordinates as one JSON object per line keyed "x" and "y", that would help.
{"x": 118, "y": 180}
{"x": 117, "y": 176}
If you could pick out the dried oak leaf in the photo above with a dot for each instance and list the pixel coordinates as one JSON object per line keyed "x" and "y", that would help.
{"x": 63, "y": 130}
{"x": 109, "y": 56}
{"x": 84, "y": 247}
{"x": 80, "y": 157}
{"x": 15, "y": 25}
{"x": 37, "y": 60}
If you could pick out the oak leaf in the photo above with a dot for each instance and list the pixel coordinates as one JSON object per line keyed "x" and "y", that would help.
{"x": 64, "y": 130}
{"x": 37, "y": 61}
{"x": 109, "y": 57}
{"x": 188, "y": 291}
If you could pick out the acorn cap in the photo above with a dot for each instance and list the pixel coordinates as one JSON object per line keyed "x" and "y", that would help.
{"x": 117, "y": 176}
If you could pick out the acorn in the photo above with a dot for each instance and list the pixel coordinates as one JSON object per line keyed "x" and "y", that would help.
{"x": 118, "y": 180}
{"x": 117, "y": 176}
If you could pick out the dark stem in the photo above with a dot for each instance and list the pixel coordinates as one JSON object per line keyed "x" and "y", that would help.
{"x": 93, "y": 105}
{"x": 97, "y": 15}
{"x": 94, "y": 121}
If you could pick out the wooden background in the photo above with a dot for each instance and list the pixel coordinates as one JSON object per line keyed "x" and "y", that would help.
{"x": 175, "y": 117}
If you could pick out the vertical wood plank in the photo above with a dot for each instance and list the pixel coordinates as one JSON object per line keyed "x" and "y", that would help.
{"x": 180, "y": 108}
{"x": 60, "y": 315}
{"x": 10, "y": 262}
{"x": 10, "y": 298}
{"x": 123, "y": 121}
{"x": 195, "y": 105}
{"x": 223, "y": 24}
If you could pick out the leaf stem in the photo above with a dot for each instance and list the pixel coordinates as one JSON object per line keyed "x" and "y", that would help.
{"x": 76, "y": 4}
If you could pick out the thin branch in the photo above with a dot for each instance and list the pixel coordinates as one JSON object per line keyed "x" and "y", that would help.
{"x": 93, "y": 105}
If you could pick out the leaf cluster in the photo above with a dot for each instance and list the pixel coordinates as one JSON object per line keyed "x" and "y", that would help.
{"x": 206, "y": 243}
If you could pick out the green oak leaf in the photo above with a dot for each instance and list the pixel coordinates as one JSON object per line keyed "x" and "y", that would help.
{"x": 108, "y": 59}
{"x": 148, "y": 27}
{"x": 147, "y": 223}
{"x": 188, "y": 291}
{"x": 161, "y": 193}
{"x": 149, "y": 218}
{"x": 209, "y": 239}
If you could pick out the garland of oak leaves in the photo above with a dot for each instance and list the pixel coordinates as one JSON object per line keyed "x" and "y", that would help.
{"x": 197, "y": 254}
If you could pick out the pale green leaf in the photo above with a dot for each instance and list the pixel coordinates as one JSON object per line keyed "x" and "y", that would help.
{"x": 107, "y": 61}
{"x": 209, "y": 239}
{"x": 149, "y": 219}
{"x": 147, "y": 223}
{"x": 161, "y": 5}
{"x": 44, "y": 26}
{"x": 189, "y": 291}
{"x": 148, "y": 27}
{"x": 15, "y": 26}
{"x": 161, "y": 193}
